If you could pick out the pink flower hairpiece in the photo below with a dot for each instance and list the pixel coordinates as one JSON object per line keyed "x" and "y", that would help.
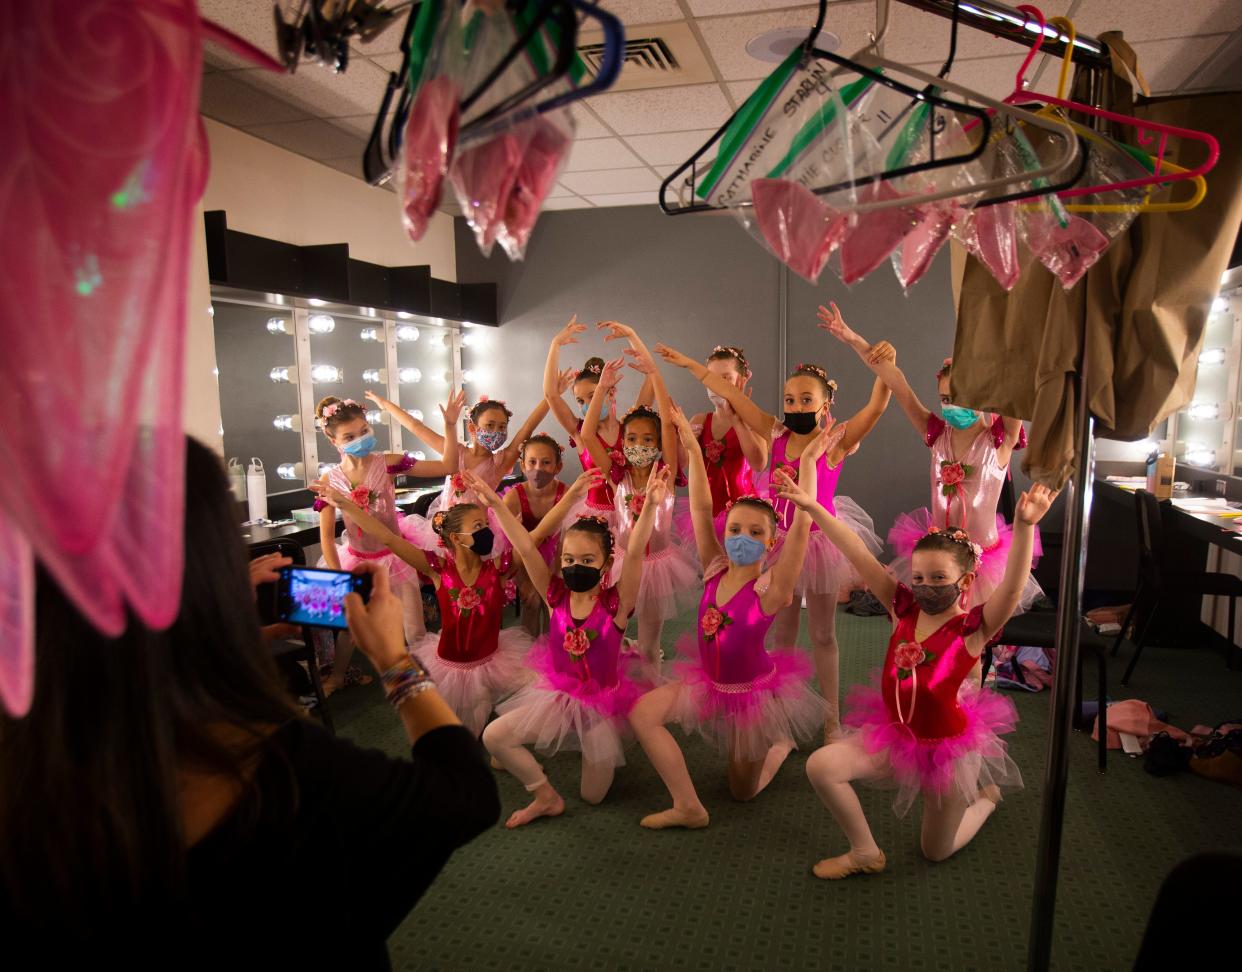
{"x": 594, "y": 369}
{"x": 818, "y": 372}
{"x": 490, "y": 401}
{"x": 959, "y": 536}
{"x": 645, "y": 409}
{"x": 737, "y": 356}
{"x": 749, "y": 498}
{"x": 332, "y": 409}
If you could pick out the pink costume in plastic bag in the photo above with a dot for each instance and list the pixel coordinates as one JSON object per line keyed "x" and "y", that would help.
{"x": 990, "y": 234}
{"x": 921, "y": 244}
{"x": 965, "y": 492}
{"x": 799, "y": 228}
{"x": 104, "y": 161}
{"x": 939, "y": 741}
{"x": 1068, "y": 251}
{"x": 670, "y": 573}
{"x": 586, "y": 682}
{"x": 483, "y": 177}
{"x": 548, "y": 142}
{"x": 474, "y": 661}
{"x": 825, "y": 569}
{"x": 735, "y": 693}
{"x": 426, "y": 148}
{"x": 876, "y": 234}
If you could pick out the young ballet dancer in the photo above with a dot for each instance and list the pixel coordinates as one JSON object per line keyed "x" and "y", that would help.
{"x": 808, "y": 398}
{"x": 971, "y": 454}
{"x": 912, "y": 729}
{"x": 368, "y": 475}
{"x": 487, "y": 455}
{"x": 586, "y": 686}
{"x": 750, "y": 702}
{"x": 541, "y": 461}
{"x": 669, "y": 576}
{"x": 730, "y": 448}
{"x": 601, "y": 500}
{"x": 474, "y": 661}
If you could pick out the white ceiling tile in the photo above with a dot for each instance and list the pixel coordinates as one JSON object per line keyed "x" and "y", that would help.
{"x": 389, "y": 62}
{"x": 740, "y": 91}
{"x": 249, "y": 21}
{"x": 670, "y": 148}
{"x": 914, "y": 35}
{"x": 313, "y": 137}
{"x": 386, "y": 42}
{"x": 600, "y": 153}
{"x": 1166, "y": 64}
{"x": 586, "y": 125}
{"x": 664, "y": 171}
{"x": 988, "y": 75}
{"x": 625, "y": 199}
{"x": 559, "y": 190}
{"x": 566, "y": 202}
{"x": 610, "y": 181}
{"x": 350, "y": 165}
{"x": 356, "y": 92}
{"x": 633, "y": 12}
{"x": 359, "y": 125}
{"x": 1144, "y": 20}
{"x": 229, "y": 100}
{"x": 726, "y": 39}
{"x": 714, "y": 8}
{"x": 663, "y": 109}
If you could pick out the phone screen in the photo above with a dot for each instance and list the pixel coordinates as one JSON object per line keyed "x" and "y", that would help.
{"x": 316, "y": 596}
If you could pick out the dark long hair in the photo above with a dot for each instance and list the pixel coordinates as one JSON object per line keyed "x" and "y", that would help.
{"x": 89, "y": 807}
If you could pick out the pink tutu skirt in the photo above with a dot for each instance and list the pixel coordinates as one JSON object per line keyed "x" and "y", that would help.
{"x": 473, "y": 689}
{"x": 560, "y": 712}
{"x": 419, "y": 531}
{"x": 911, "y": 527}
{"x": 683, "y": 524}
{"x": 825, "y": 569}
{"x": 956, "y": 766}
{"x": 744, "y": 720}
{"x": 670, "y": 582}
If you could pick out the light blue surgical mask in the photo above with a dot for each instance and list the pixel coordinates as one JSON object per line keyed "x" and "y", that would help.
{"x": 743, "y": 550}
{"x": 584, "y": 407}
{"x": 490, "y": 440}
{"x": 958, "y": 417}
{"x": 360, "y": 448}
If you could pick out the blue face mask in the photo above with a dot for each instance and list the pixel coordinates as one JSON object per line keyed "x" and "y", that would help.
{"x": 744, "y": 550}
{"x": 958, "y": 417}
{"x": 490, "y": 440}
{"x": 360, "y": 448}
{"x": 584, "y": 407}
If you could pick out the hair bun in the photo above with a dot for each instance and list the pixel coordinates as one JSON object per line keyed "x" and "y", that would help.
{"x": 324, "y": 403}
{"x": 437, "y": 522}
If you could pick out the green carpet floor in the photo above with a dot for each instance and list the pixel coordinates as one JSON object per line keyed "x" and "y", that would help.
{"x": 592, "y": 890}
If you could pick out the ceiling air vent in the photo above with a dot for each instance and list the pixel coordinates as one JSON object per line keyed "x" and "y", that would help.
{"x": 656, "y": 56}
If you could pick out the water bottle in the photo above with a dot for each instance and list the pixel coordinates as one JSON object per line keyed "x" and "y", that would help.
{"x": 256, "y": 489}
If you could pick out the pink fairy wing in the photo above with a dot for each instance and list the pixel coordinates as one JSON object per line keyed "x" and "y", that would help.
{"x": 875, "y": 234}
{"x": 800, "y": 229}
{"x": 430, "y": 137}
{"x": 104, "y": 163}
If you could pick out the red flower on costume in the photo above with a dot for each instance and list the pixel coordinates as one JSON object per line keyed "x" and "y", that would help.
{"x": 714, "y": 452}
{"x": 908, "y": 656}
{"x": 952, "y": 475}
{"x": 467, "y": 599}
{"x": 510, "y": 590}
{"x": 361, "y": 497}
{"x": 459, "y": 485}
{"x": 712, "y": 621}
{"x": 617, "y": 457}
{"x": 577, "y": 641}
{"x": 635, "y": 504}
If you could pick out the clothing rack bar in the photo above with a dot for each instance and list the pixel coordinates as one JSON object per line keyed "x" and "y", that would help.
{"x": 1001, "y": 20}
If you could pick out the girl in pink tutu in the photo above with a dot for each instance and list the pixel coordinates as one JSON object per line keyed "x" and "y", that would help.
{"x": 487, "y": 456}
{"x": 474, "y": 661}
{"x": 367, "y": 475}
{"x": 751, "y": 703}
{"x": 971, "y": 454}
{"x": 586, "y": 684}
{"x": 601, "y": 501}
{"x": 670, "y": 575}
{"x": 731, "y": 449}
{"x": 912, "y": 729}
{"x": 808, "y": 398}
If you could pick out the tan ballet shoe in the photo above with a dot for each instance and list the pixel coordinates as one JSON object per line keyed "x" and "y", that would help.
{"x": 836, "y": 868}
{"x": 675, "y": 818}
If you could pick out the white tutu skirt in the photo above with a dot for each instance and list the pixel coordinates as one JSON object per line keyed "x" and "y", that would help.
{"x": 744, "y": 720}
{"x": 419, "y": 531}
{"x": 825, "y": 569}
{"x": 909, "y": 528}
{"x": 670, "y": 582}
{"x": 472, "y": 690}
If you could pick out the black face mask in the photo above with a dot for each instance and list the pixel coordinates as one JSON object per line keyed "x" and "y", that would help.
{"x": 801, "y": 423}
{"x": 482, "y": 541}
{"x": 935, "y": 599}
{"x": 580, "y": 578}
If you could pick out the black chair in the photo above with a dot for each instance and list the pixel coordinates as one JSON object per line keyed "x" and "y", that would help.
{"x": 1157, "y": 584}
{"x": 294, "y": 651}
{"x": 1038, "y": 629}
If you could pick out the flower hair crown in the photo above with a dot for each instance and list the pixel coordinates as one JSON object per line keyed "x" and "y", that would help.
{"x": 959, "y": 536}
{"x": 736, "y": 354}
{"x": 335, "y": 407}
{"x": 750, "y": 498}
{"x": 483, "y": 399}
{"x": 642, "y": 410}
{"x": 594, "y": 369}
{"x": 818, "y": 372}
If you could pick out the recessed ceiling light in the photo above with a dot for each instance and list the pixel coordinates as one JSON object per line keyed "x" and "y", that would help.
{"x": 774, "y": 45}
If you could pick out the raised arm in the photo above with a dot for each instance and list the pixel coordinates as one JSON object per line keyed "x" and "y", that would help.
{"x": 632, "y": 567}
{"x": 536, "y": 567}
{"x": 372, "y": 527}
{"x": 510, "y": 453}
{"x": 705, "y": 539}
{"x": 551, "y": 523}
{"x": 793, "y": 555}
{"x": 642, "y": 362}
{"x": 554, "y": 378}
{"x": 881, "y": 358}
{"x": 860, "y": 424}
{"x": 1032, "y": 505}
{"x": 756, "y": 418}
{"x": 882, "y": 584}
{"x": 418, "y": 429}
{"x": 755, "y": 448}
{"x": 590, "y": 425}
{"x": 447, "y": 464}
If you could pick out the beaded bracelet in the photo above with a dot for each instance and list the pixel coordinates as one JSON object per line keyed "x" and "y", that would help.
{"x": 407, "y": 677}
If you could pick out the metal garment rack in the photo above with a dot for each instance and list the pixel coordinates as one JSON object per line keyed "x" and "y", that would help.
{"x": 1003, "y": 21}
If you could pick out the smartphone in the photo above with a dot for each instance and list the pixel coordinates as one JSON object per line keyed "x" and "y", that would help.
{"x": 315, "y": 596}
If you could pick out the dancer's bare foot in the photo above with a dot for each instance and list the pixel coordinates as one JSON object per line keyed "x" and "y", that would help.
{"x": 836, "y": 868}
{"x": 541, "y": 806}
{"x": 673, "y": 817}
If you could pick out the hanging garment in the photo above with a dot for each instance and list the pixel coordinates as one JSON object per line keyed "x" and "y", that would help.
{"x": 1144, "y": 306}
